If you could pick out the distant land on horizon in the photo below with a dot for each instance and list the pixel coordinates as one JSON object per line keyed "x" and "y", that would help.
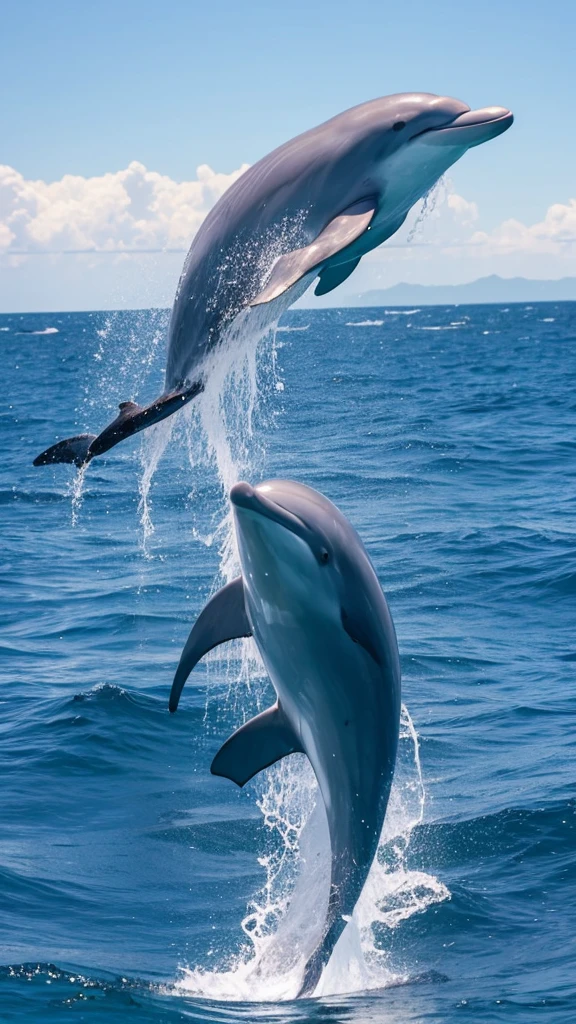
{"x": 485, "y": 290}
{"x": 492, "y": 289}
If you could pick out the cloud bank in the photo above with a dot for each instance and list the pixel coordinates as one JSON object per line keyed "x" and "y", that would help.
{"x": 130, "y": 209}
{"x": 94, "y": 234}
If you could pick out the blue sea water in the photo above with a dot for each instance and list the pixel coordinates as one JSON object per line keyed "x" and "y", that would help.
{"x": 137, "y": 887}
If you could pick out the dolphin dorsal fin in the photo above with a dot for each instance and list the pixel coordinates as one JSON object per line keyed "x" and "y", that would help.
{"x": 336, "y": 236}
{"x": 224, "y": 618}
{"x": 255, "y": 746}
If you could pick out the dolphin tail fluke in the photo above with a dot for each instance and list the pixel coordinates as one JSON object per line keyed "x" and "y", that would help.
{"x": 131, "y": 419}
{"x": 73, "y": 450}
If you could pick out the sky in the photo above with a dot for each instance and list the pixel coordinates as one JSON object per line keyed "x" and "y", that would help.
{"x": 121, "y": 123}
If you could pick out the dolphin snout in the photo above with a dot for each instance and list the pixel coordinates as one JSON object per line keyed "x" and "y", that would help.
{"x": 471, "y": 128}
{"x": 242, "y": 495}
{"x": 483, "y": 116}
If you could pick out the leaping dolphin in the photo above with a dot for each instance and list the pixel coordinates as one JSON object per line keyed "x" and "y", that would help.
{"x": 313, "y": 207}
{"x": 309, "y": 596}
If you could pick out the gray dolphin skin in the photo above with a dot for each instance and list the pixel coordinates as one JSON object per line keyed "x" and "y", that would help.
{"x": 313, "y": 207}
{"x": 309, "y": 596}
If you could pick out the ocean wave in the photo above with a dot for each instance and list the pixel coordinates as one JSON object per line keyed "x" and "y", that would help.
{"x": 15, "y": 494}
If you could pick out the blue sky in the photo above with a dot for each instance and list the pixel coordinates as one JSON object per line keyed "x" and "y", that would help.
{"x": 86, "y": 89}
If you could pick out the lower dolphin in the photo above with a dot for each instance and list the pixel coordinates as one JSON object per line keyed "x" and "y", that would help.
{"x": 309, "y": 596}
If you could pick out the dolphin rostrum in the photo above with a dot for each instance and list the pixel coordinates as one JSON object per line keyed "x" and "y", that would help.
{"x": 309, "y": 596}
{"x": 313, "y": 207}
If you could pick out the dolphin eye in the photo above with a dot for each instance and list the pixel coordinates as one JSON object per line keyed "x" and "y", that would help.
{"x": 398, "y": 126}
{"x": 324, "y": 556}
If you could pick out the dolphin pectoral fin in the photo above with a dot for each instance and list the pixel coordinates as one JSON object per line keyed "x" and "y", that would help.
{"x": 224, "y": 618}
{"x": 255, "y": 746}
{"x": 130, "y": 420}
{"x": 339, "y": 233}
{"x": 331, "y": 277}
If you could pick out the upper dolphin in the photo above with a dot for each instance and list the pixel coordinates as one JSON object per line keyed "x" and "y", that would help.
{"x": 310, "y": 597}
{"x": 313, "y": 207}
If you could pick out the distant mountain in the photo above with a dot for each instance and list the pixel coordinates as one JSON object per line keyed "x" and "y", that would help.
{"x": 485, "y": 289}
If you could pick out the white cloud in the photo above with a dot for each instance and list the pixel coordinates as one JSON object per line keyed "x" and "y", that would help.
{"x": 129, "y": 209}
{"x": 557, "y": 229}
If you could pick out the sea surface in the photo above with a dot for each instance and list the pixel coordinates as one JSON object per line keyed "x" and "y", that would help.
{"x": 137, "y": 887}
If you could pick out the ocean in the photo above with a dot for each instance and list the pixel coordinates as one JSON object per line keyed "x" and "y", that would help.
{"x": 137, "y": 887}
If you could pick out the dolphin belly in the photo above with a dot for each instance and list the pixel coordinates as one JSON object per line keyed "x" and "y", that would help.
{"x": 346, "y": 717}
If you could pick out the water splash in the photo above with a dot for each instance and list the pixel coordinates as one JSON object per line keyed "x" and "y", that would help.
{"x": 76, "y": 493}
{"x": 285, "y": 919}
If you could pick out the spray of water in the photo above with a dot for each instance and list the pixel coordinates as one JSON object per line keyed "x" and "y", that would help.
{"x": 430, "y": 203}
{"x": 124, "y": 360}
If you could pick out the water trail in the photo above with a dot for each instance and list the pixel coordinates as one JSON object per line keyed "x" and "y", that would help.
{"x": 76, "y": 493}
{"x": 220, "y": 423}
{"x": 152, "y": 448}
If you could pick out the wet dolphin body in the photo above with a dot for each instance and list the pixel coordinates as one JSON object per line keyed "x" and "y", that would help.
{"x": 314, "y": 206}
{"x": 310, "y": 597}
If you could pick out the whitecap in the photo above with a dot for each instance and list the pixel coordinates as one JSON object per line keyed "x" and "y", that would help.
{"x": 401, "y": 312}
{"x": 365, "y": 323}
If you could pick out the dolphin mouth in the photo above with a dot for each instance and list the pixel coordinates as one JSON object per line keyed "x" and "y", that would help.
{"x": 469, "y": 129}
{"x": 243, "y": 495}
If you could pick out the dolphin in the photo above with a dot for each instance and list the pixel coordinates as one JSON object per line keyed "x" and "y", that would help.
{"x": 311, "y": 208}
{"x": 310, "y": 597}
